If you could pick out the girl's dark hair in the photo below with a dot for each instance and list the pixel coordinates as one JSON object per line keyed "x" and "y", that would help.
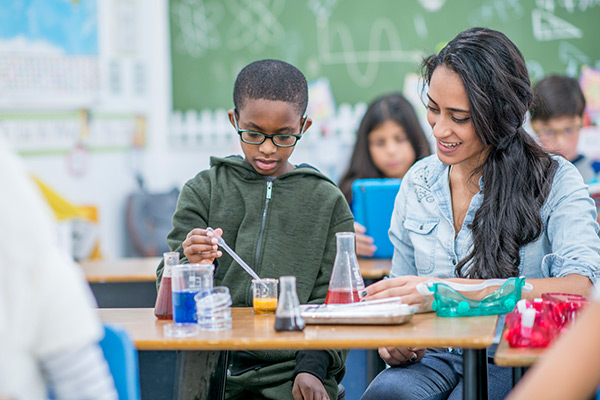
{"x": 557, "y": 96}
{"x": 517, "y": 173}
{"x": 392, "y": 107}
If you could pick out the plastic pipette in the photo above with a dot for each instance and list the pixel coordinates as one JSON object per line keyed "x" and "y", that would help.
{"x": 233, "y": 254}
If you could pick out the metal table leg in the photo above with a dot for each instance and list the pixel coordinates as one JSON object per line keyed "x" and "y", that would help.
{"x": 517, "y": 374}
{"x": 475, "y": 374}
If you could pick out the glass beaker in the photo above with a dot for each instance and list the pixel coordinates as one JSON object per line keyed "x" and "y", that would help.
{"x": 264, "y": 295}
{"x": 163, "y": 309}
{"x": 214, "y": 309}
{"x": 187, "y": 281}
{"x": 346, "y": 283}
{"x": 287, "y": 316}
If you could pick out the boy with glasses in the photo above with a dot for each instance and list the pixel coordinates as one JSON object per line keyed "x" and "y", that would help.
{"x": 280, "y": 218}
{"x": 557, "y": 118}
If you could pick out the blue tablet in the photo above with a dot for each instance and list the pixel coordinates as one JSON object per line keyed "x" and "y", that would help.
{"x": 372, "y": 205}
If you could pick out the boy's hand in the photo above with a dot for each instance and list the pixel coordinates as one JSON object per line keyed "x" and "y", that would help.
{"x": 364, "y": 243}
{"x": 200, "y": 246}
{"x": 308, "y": 387}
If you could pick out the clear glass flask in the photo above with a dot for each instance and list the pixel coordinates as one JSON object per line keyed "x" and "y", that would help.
{"x": 287, "y": 316}
{"x": 163, "y": 309}
{"x": 346, "y": 283}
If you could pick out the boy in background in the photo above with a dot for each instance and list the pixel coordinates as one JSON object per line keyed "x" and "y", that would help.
{"x": 557, "y": 118}
{"x": 280, "y": 218}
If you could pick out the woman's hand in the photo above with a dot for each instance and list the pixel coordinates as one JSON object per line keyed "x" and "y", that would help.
{"x": 364, "y": 243}
{"x": 200, "y": 246}
{"x": 403, "y": 286}
{"x": 394, "y": 356}
{"x": 308, "y": 387}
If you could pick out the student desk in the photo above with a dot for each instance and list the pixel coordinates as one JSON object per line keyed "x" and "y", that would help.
{"x": 373, "y": 269}
{"x": 255, "y": 332}
{"x": 517, "y": 358}
{"x": 125, "y": 282}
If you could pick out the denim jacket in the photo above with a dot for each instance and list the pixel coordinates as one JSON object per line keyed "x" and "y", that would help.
{"x": 423, "y": 235}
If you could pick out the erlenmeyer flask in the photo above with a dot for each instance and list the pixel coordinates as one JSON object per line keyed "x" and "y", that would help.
{"x": 346, "y": 283}
{"x": 287, "y": 316}
{"x": 163, "y": 309}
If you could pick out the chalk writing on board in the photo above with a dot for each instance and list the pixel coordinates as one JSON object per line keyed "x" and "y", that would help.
{"x": 383, "y": 31}
{"x": 420, "y": 26}
{"x": 256, "y": 24}
{"x": 504, "y": 10}
{"x": 322, "y": 8}
{"x": 535, "y": 69}
{"x": 432, "y": 5}
{"x": 547, "y": 26}
{"x": 572, "y": 57}
{"x": 198, "y": 30}
{"x": 569, "y": 5}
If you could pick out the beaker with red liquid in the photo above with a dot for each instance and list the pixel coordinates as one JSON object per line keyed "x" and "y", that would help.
{"x": 346, "y": 283}
{"x": 163, "y": 309}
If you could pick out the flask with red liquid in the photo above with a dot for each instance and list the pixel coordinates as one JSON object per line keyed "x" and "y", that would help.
{"x": 163, "y": 309}
{"x": 346, "y": 283}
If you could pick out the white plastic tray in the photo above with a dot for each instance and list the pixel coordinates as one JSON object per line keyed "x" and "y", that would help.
{"x": 382, "y": 313}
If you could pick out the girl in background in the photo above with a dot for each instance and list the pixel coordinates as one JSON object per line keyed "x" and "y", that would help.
{"x": 388, "y": 142}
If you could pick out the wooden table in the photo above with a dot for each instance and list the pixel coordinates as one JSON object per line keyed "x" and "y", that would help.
{"x": 121, "y": 270}
{"x": 255, "y": 332}
{"x": 374, "y": 268}
{"x": 125, "y": 282}
{"x": 144, "y": 269}
{"x": 517, "y": 358}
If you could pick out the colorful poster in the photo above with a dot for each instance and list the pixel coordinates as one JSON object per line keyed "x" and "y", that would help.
{"x": 48, "y": 53}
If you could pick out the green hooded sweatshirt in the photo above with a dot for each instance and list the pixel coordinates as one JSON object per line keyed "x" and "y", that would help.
{"x": 280, "y": 226}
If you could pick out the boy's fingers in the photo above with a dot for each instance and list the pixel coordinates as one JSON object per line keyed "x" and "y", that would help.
{"x": 194, "y": 232}
{"x": 358, "y": 228}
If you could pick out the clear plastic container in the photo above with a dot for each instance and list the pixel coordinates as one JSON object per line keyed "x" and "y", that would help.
{"x": 346, "y": 283}
{"x": 214, "y": 309}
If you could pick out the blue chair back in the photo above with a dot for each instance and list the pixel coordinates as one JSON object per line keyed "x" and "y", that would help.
{"x": 122, "y": 359}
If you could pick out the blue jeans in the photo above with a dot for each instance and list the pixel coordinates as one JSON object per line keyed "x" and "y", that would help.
{"x": 439, "y": 375}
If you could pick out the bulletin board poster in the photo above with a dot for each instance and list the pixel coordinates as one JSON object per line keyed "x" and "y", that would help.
{"x": 48, "y": 54}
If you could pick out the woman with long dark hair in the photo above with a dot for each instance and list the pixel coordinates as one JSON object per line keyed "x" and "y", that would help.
{"x": 388, "y": 142}
{"x": 490, "y": 204}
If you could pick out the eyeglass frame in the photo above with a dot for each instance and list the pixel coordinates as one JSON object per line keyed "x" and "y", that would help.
{"x": 265, "y": 136}
{"x": 552, "y": 133}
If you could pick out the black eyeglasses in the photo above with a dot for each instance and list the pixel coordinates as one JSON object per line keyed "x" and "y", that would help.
{"x": 279, "y": 140}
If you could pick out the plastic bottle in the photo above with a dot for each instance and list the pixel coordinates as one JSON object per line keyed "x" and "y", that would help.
{"x": 163, "y": 309}
{"x": 287, "y": 316}
{"x": 346, "y": 283}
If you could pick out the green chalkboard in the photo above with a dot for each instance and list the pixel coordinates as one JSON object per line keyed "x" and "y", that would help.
{"x": 363, "y": 47}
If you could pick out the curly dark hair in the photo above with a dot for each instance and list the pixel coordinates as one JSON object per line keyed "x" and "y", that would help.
{"x": 271, "y": 80}
{"x": 517, "y": 173}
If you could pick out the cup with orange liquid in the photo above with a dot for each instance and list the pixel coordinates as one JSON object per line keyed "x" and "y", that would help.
{"x": 264, "y": 295}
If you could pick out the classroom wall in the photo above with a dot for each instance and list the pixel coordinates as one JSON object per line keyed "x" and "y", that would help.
{"x": 134, "y": 40}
